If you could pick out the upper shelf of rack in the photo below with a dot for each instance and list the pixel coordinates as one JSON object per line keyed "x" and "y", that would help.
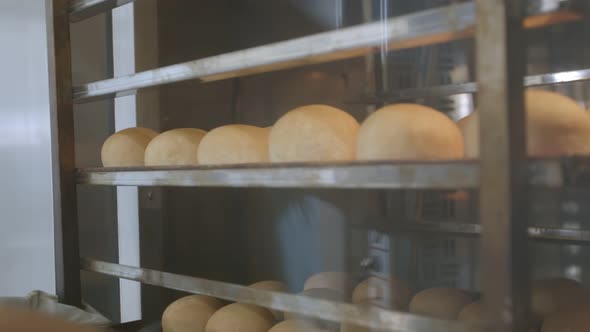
{"x": 427, "y": 27}
{"x": 356, "y": 175}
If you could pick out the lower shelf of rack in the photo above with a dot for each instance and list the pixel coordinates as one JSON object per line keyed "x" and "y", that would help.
{"x": 373, "y": 317}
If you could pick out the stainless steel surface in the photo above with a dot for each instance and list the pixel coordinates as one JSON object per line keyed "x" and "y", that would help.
{"x": 424, "y": 28}
{"x": 82, "y": 9}
{"x": 563, "y": 235}
{"x": 341, "y": 312}
{"x": 450, "y": 175}
{"x": 27, "y": 200}
{"x": 260, "y": 100}
{"x": 503, "y": 203}
{"x": 67, "y": 251}
{"x": 471, "y": 87}
{"x": 355, "y": 176}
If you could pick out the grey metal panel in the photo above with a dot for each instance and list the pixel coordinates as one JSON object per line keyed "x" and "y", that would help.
{"x": 26, "y": 171}
{"x": 333, "y": 311}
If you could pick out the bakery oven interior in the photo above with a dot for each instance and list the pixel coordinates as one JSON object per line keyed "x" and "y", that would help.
{"x": 247, "y": 235}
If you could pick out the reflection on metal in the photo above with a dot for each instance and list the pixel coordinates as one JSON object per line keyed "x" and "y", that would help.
{"x": 372, "y": 317}
{"x": 356, "y": 175}
{"x": 82, "y": 9}
{"x": 450, "y": 175}
{"x": 574, "y": 236}
{"x": 471, "y": 87}
{"x": 428, "y": 27}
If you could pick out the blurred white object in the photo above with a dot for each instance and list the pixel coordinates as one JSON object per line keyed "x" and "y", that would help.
{"x": 44, "y": 303}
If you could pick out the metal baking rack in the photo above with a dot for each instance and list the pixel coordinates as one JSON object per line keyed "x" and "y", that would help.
{"x": 497, "y": 175}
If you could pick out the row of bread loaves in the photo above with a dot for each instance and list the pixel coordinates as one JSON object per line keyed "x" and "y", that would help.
{"x": 556, "y": 125}
{"x": 231, "y": 144}
{"x": 557, "y": 305}
{"x": 314, "y": 133}
{"x": 198, "y": 313}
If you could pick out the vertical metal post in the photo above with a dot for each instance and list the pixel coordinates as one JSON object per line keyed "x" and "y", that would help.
{"x": 500, "y": 47}
{"x": 67, "y": 254}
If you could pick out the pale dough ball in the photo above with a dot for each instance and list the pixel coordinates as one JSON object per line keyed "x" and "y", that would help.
{"x": 323, "y": 294}
{"x": 314, "y": 133}
{"x": 273, "y": 286}
{"x": 556, "y": 125}
{"x": 469, "y": 126}
{"x": 19, "y": 320}
{"x": 295, "y": 325}
{"x": 175, "y": 147}
{"x": 339, "y": 281}
{"x": 471, "y": 313}
{"x": 270, "y": 285}
{"x": 409, "y": 132}
{"x": 189, "y": 314}
{"x": 347, "y": 327}
{"x": 571, "y": 320}
{"x": 126, "y": 148}
{"x": 234, "y": 144}
{"x": 442, "y": 303}
{"x": 379, "y": 289}
{"x": 553, "y": 295}
{"x": 240, "y": 317}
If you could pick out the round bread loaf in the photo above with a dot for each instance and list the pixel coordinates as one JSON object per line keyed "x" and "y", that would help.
{"x": 382, "y": 289}
{"x": 295, "y": 325}
{"x": 234, "y": 144}
{"x": 126, "y": 148}
{"x": 189, "y": 314}
{"x": 314, "y": 133}
{"x": 409, "y": 132}
{"x": 570, "y": 320}
{"x": 469, "y": 126}
{"x": 346, "y": 327}
{"x": 175, "y": 147}
{"x": 471, "y": 313}
{"x": 323, "y": 294}
{"x": 339, "y": 281}
{"x": 18, "y": 320}
{"x": 556, "y": 125}
{"x": 274, "y": 286}
{"x": 240, "y": 317}
{"x": 442, "y": 303}
{"x": 552, "y": 295}
{"x": 270, "y": 285}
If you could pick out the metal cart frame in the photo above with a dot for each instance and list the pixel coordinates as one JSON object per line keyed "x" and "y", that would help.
{"x": 502, "y": 175}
